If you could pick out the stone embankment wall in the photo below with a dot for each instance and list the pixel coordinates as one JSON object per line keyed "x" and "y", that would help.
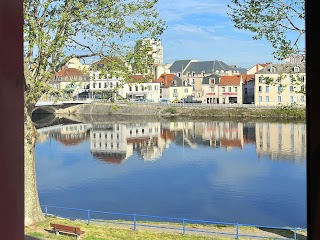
{"x": 178, "y": 110}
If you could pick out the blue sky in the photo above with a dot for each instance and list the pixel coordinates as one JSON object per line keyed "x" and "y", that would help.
{"x": 201, "y": 30}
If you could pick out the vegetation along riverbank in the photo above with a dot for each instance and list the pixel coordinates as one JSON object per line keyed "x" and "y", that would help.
{"x": 277, "y": 112}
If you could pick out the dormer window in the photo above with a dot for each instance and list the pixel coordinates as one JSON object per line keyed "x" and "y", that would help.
{"x": 193, "y": 74}
{"x": 179, "y": 74}
{"x": 212, "y": 81}
{"x": 296, "y": 69}
{"x": 174, "y": 82}
{"x": 185, "y": 83}
{"x": 273, "y": 69}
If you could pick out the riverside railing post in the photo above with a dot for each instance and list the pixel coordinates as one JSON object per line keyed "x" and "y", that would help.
{"x": 237, "y": 231}
{"x": 88, "y": 216}
{"x": 134, "y": 222}
{"x": 183, "y": 226}
{"x": 295, "y": 234}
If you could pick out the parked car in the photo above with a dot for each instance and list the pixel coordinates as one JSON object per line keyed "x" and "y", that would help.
{"x": 164, "y": 101}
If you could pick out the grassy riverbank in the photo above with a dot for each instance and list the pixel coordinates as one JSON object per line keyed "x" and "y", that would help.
{"x": 112, "y": 231}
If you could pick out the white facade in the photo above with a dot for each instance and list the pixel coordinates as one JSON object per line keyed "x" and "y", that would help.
{"x": 112, "y": 86}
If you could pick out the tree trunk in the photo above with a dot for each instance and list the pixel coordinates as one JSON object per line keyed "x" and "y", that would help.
{"x": 32, "y": 210}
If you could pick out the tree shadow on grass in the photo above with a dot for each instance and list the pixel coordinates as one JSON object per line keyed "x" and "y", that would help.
{"x": 286, "y": 233}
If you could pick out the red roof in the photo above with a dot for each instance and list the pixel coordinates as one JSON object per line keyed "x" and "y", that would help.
{"x": 70, "y": 72}
{"x": 230, "y": 143}
{"x": 165, "y": 79}
{"x": 230, "y": 80}
{"x": 247, "y": 77}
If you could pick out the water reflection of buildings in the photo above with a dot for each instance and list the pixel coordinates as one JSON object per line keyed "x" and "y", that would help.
{"x": 281, "y": 140}
{"x": 224, "y": 134}
{"x": 115, "y": 143}
{"x": 71, "y": 134}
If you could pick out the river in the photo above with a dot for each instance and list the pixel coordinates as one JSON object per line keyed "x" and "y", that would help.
{"x": 249, "y": 172}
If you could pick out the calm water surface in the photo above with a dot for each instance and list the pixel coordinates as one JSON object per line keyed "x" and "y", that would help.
{"x": 245, "y": 172}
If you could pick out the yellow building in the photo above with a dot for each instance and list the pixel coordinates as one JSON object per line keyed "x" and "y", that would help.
{"x": 281, "y": 140}
{"x": 280, "y": 84}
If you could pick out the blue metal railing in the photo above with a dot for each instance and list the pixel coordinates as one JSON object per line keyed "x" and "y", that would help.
{"x": 184, "y": 221}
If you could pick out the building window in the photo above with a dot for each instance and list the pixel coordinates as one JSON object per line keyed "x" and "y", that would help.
{"x": 130, "y": 88}
{"x": 236, "y": 89}
{"x": 279, "y": 99}
{"x": 291, "y": 88}
{"x": 260, "y": 88}
{"x": 94, "y": 85}
{"x": 267, "y": 98}
{"x": 150, "y": 88}
{"x": 105, "y": 85}
{"x": 302, "y": 99}
{"x": 192, "y": 74}
{"x": 246, "y": 91}
{"x": 142, "y": 88}
{"x": 99, "y": 85}
{"x": 296, "y": 69}
{"x": 279, "y": 80}
{"x": 279, "y": 89}
{"x": 260, "y": 98}
{"x": 267, "y": 89}
{"x": 260, "y": 79}
{"x": 229, "y": 88}
{"x": 212, "y": 89}
{"x": 291, "y": 99}
{"x": 179, "y": 74}
{"x": 302, "y": 88}
{"x": 175, "y": 90}
{"x": 223, "y": 89}
{"x": 136, "y": 87}
{"x": 291, "y": 79}
{"x": 212, "y": 81}
{"x": 156, "y": 87}
{"x": 273, "y": 69}
{"x": 186, "y": 90}
{"x": 302, "y": 78}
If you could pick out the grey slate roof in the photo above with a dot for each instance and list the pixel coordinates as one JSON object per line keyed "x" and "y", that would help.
{"x": 241, "y": 70}
{"x": 207, "y": 67}
{"x": 216, "y": 77}
{"x": 178, "y": 65}
{"x": 282, "y": 68}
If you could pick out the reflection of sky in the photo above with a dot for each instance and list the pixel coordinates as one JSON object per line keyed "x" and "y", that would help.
{"x": 201, "y": 183}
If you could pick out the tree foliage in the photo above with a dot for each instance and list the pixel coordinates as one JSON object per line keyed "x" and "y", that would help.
{"x": 279, "y": 22}
{"x": 56, "y": 31}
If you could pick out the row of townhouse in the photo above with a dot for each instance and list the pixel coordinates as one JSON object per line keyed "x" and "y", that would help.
{"x": 263, "y": 84}
{"x": 211, "y": 82}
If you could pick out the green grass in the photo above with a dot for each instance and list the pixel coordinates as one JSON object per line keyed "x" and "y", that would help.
{"x": 103, "y": 231}
{"x": 109, "y": 230}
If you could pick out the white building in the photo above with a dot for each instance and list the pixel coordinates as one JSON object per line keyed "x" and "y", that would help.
{"x": 108, "y": 86}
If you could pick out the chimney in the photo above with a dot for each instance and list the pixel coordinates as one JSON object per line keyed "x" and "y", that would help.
{"x": 165, "y": 79}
